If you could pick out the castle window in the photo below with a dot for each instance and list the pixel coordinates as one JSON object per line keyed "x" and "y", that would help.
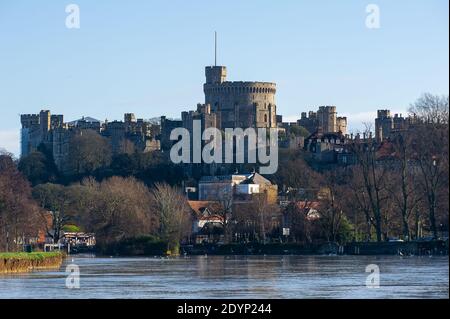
{"x": 265, "y": 118}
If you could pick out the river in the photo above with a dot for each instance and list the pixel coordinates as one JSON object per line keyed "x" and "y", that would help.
{"x": 223, "y": 277}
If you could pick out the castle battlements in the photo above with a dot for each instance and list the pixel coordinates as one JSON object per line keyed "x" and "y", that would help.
{"x": 241, "y": 87}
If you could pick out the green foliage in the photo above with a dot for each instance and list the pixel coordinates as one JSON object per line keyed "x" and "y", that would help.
{"x": 346, "y": 231}
{"x": 298, "y": 130}
{"x": 39, "y": 167}
{"x": 32, "y": 256}
{"x": 150, "y": 168}
{"x": 71, "y": 229}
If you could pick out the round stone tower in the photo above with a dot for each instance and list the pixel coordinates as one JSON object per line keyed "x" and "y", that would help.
{"x": 239, "y": 104}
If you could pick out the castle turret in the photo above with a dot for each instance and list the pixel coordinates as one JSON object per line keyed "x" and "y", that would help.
{"x": 45, "y": 121}
{"x": 215, "y": 74}
{"x": 239, "y": 104}
{"x": 384, "y": 124}
{"x": 327, "y": 118}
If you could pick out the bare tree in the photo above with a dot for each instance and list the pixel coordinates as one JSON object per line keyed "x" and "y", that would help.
{"x": 54, "y": 198}
{"x": 359, "y": 202}
{"x": 402, "y": 180}
{"x": 331, "y": 210}
{"x": 373, "y": 178}
{"x": 115, "y": 209}
{"x": 265, "y": 213}
{"x": 431, "y": 108}
{"x": 173, "y": 210}
{"x": 431, "y": 157}
{"x": 18, "y": 211}
{"x": 431, "y": 153}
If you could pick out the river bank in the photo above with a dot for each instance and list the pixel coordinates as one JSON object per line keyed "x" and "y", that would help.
{"x": 25, "y": 262}
{"x": 418, "y": 248}
{"x": 149, "y": 246}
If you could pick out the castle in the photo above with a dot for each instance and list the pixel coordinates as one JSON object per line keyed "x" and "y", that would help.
{"x": 239, "y": 104}
{"x": 228, "y": 104}
{"x": 385, "y": 124}
{"x": 55, "y": 135}
{"x": 324, "y": 120}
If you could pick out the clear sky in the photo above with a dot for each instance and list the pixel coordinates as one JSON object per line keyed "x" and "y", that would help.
{"x": 148, "y": 57}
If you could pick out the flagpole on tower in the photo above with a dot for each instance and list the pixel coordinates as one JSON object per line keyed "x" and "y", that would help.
{"x": 215, "y": 48}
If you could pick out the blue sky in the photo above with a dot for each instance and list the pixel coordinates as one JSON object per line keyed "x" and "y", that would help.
{"x": 148, "y": 57}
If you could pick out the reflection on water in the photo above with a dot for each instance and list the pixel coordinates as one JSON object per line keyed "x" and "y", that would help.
{"x": 237, "y": 277}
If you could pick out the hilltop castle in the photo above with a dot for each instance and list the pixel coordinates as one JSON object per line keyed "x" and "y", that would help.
{"x": 55, "y": 135}
{"x": 228, "y": 104}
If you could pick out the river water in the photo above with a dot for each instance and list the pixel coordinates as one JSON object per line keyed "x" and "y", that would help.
{"x": 223, "y": 277}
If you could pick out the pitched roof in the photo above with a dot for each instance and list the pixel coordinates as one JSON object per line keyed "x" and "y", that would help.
{"x": 199, "y": 206}
{"x": 257, "y": 179}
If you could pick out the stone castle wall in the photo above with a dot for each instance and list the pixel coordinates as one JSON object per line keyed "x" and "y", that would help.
{"x": 240, "y": 104}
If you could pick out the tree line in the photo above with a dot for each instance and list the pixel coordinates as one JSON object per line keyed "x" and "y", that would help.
{"x": 397, "y": 189}
{"x": 115, "y": 209}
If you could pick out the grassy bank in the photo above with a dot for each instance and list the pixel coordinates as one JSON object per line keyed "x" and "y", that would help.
{"x": 24, "y": 262}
